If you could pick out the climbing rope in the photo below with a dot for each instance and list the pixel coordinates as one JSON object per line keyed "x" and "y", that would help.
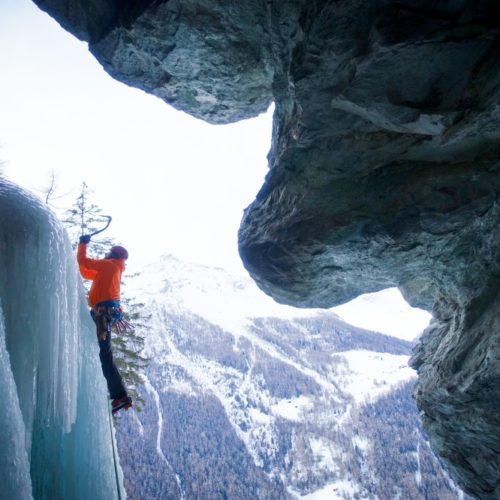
{"x": 110, "y": 418}
{"x": 115, "y": 453}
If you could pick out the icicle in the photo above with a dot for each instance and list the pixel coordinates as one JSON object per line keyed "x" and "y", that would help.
{"x": 14, "y": 465}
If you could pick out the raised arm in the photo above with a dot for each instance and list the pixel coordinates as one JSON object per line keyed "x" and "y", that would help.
{"x": 88, "y": 267}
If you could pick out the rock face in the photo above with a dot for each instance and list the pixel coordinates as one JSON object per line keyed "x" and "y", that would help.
{"x": 384, "y": 165}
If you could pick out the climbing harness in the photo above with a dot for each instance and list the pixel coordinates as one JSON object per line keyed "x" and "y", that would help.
{"x": 110, "y": 318}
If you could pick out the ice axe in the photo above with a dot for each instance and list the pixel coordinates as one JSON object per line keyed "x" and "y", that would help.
{"x": 104, "y": 228}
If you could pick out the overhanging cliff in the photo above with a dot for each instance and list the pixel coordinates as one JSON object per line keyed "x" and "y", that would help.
{"x": 383, "y": 167}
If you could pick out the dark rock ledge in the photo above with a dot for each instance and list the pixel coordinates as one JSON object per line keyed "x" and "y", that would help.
{"x": 384, "y": 165}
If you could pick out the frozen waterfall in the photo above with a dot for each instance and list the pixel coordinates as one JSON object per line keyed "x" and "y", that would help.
{"x": 55, "y": 440}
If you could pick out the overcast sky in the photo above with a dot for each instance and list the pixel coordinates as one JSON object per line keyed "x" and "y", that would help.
{"x": 172, "y": 183}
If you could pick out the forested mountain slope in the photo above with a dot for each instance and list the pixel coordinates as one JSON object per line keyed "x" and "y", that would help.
{"x": 269, "y": 407}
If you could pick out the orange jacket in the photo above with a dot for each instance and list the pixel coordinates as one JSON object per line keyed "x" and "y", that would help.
{"x": 105, "y": 274}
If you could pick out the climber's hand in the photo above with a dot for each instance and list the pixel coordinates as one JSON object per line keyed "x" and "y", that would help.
{"x": 85, "y": 239}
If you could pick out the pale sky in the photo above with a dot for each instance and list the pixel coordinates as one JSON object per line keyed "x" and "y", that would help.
{"x": 172, "y": 183}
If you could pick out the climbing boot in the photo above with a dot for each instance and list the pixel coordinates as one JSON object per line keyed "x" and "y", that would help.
{"x": 119, "y": 403}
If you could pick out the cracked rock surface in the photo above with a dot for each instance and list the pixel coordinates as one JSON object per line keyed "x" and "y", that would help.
{"x": 384, "y": 165}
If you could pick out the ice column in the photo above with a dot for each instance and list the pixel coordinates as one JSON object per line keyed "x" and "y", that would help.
{"x": 57, "y": 416}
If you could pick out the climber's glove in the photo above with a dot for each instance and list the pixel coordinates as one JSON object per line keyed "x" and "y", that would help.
{"x": 85, "y": 239}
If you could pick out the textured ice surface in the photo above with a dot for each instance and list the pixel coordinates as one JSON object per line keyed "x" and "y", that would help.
{"x": 54, "y": 424}
{"x": 14, "y": 464}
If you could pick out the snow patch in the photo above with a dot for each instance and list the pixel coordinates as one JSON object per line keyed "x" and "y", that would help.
{"x": 387, "y": 312}
{"x": 156, "y": 398}
{"x": 182, "y": 387}
{"x": 292, "y": 409}
{"x": 361, "y": 443}
{"x": 259, "y": 417}
{"x": 418, "y": 472}
{"x": 324, "y": 456}
{"x": 371, "y": 374}
{"x": 343, "y": 489}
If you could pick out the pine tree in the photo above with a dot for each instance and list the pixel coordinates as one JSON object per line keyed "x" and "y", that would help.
{"x": 85, "y": 217}
{"x": 129, "y": 347}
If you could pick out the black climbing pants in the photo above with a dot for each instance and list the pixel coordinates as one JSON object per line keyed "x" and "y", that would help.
{"x": 104, "y": 316}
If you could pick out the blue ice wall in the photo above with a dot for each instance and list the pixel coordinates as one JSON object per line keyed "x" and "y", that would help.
{"x": 55, "y": 435}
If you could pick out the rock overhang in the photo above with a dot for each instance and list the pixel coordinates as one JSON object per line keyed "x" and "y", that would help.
{"x": 383, "y": 166}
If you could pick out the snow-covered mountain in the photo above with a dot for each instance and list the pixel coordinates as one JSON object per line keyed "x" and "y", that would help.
{"x": 246, "y": 398}
{"x": 212, "y": 293}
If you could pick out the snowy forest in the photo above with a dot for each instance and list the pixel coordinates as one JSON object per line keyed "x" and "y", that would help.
{"x": 199, "y": 444}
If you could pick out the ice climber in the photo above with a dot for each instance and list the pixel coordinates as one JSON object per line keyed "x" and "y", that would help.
{"x": 104, "y": 301}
